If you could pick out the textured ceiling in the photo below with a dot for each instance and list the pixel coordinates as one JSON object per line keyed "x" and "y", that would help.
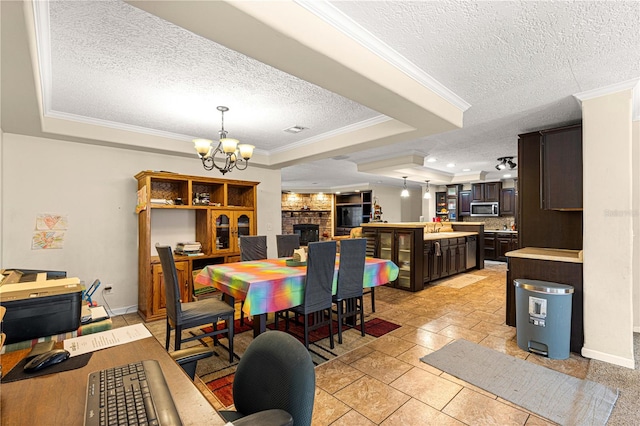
{"x": 517, "y": 63}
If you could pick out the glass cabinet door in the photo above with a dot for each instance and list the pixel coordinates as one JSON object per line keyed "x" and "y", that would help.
{"x": 405, "y": 240}
{"x": 386, "y": 245}
{"x": 244, "y": 225}
{"x": 221, "y": 232}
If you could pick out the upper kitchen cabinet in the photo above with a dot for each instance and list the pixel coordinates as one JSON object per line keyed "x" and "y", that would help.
{"x": 508, "y": 202}
{"x": 486, "y": 191}
{"x": 464, "y": 203}
{"x": 561, "y": 164}
{"x": 537, "y": 226}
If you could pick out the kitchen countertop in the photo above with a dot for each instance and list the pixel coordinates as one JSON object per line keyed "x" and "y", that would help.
{"x": 558, "y": 255}
{"x": 431, "y": 236}
{"x": 502, "y": 231}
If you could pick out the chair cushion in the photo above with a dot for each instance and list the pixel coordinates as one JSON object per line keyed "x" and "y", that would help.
{"x": 203, "y": 311}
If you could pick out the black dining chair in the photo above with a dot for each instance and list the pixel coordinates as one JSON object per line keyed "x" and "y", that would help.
{"x": 253, "y": 247}
{"x": 321, "y": 264}
{"x": 275, "y": 372}
{"x": 348, "y": 297}
{"x": 287, "y": 243}
{"x": 181, "y": 316}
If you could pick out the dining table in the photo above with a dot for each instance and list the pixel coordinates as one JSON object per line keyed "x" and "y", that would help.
{"x": 270, "y": 285}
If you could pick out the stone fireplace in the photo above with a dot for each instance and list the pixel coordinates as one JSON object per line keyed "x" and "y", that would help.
{"x": 309, "y": 232}
{"x": 308, "y": 209}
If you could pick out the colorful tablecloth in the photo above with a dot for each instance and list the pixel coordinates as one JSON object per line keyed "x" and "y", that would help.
{"x": 270, "y": 285}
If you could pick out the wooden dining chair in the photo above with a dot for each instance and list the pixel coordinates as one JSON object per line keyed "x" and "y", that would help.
{"x": 348, "y": 297}
{"x": 181, "y": 316}
{"x": 321, "y": 264}
{"x": 287, "y": 243}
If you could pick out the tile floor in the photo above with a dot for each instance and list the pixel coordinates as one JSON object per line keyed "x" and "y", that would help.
{"x": 384, "y": 382}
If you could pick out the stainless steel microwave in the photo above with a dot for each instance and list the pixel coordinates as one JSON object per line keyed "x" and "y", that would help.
{"x": 485, "y": 209}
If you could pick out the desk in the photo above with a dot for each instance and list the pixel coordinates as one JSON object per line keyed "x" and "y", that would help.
{"x": 59, "y": 399}
{"x": 270, "y": 285}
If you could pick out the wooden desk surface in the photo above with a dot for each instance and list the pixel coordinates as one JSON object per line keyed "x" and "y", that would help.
{"x": 60, "y": 398}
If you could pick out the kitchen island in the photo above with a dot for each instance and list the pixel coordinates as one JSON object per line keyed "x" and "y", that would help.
{"x": 553, "y": 265}
{"x": 426, "y": 251}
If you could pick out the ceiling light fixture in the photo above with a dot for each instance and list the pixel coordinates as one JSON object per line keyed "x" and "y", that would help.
{"x": 235, "y": 154}
{"x": 405, "y": 191}
{"x": 427, "y": 194}
{"x": 504, "y": 161}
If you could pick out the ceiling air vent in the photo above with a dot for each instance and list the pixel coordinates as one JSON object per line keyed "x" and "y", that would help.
{"x": 295, "y": 129}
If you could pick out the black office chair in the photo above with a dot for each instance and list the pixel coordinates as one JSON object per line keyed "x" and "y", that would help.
{"x": 253, "y": 247}
{"x": 188, "y": 358}
{"x": 181, "y": 316}
{"x": 287, "y": 243}
{"x": 348, "y": 297}
{"x": 275, "y": 372}
{"x": 321, "y": 264}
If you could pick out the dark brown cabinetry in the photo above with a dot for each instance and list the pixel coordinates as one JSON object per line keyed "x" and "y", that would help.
{"x": 352, "y": 210}
{"x": 441, "y": 205}
{"x": 508, "y": 202}
{"x": 464, "y": 203}
{"x": 557, "y": 272}
{"x": 539, "y": 227}
{"x": 497, "y": 244}
{"x": 403, "y": 247}
{"x": 486, "y": 191}
{"x": 561, "y": 156}
{"x": 452, "y": 201}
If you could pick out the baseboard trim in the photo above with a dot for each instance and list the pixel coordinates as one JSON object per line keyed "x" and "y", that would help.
{"x": 611, "y": 359}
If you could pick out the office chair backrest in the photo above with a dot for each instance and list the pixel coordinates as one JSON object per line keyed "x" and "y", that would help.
{"x": 287, "y": 243}
{"x": 351, "y": 269}
{"x": 321, "y": 267}
{"x": 170, "y": 277}
{"x": 253, "y": 247}
{"x": 276, "y": 371}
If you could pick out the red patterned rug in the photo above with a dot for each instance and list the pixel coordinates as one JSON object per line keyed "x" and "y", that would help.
{"x": 221, "y": 382}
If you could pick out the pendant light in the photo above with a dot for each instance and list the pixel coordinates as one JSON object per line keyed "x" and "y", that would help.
{"x": 405, "y": 191}
{"x": 427, "y": 194}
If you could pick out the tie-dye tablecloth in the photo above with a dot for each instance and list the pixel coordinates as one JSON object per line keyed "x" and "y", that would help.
{"x": 270, "y": 285}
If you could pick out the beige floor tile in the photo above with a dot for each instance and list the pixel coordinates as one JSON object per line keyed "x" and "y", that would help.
{"x": 334, "y": 375}
{"x": 462, "y": 383}
{"x": 372, "y": 398}
{"x": 427, "y": 339}
{"x": 487, "y": 317}
{"x": 473, "y": 408}
{"x": 499, "y": 330}
{"x": 460, "y": 319}
{"x": 537, "y": 421}
{"x": 455, "y": 332}
{"x": 353, "y": 418}
{"x": 426, "y": 387}
{"x": 391, "y": 345}
{"x": 413, "y": 355}
{"x": 506, "y": 346}
{"x": 415, "y": 412}
{"x": 327, "y": 409}
{"x": 381, "y": 366}
{"x": 356, "y": 354}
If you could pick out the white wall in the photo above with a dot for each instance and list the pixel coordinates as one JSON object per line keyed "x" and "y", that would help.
{"x": 394, "y": 207}
{"x": 635, "y": 162}
{"x": 95, "y": 187}
{"x": 608, "y": 219}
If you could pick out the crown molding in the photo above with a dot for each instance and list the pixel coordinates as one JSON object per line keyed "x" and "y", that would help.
{"x": 633, "y": 84}
{"x": 334, "y": 17}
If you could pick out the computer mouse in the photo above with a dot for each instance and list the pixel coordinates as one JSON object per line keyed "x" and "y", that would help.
{"x": 46, "y": 359}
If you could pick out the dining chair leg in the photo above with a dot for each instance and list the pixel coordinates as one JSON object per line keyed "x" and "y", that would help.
{"x": 168, "y": 338}
{"x": 339, "y": 305}
{"x": 373, "y": 299}
{"x": 178, "y": 338}
{"x": 330, "y": 328}
{"x": 361, "y": 299}
{"x": 306, "y": 331}
{"x": 230, "y": 326}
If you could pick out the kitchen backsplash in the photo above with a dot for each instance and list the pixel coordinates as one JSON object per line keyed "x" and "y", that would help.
{"x": 493, "y": 222}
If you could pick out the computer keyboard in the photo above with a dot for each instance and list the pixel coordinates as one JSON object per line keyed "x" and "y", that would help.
{"x": 133, "y": 394}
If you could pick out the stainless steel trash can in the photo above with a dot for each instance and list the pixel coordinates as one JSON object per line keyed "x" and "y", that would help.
{"x": 543, "y": 317}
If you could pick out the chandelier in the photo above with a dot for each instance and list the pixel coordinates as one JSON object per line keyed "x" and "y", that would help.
{"x": 427, "y": 194}
{"x": 232, "y": 152}
{"x": 405, "y": 191}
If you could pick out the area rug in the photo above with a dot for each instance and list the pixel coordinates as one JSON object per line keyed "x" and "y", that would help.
{"x": 459, "y": 281}
{"x": 555, "y": 396}
{"x": 217, "y": 373}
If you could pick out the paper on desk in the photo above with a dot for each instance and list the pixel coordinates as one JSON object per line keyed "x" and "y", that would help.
{"x": 105, "y": 339}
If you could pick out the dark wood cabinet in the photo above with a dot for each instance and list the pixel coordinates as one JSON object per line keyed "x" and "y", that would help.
{"x": 561, "y": 157}
{"x": 352, "y": 210}
{"x": 489, "y": 191}
{"x": 490, "y": 246}
{"x": 552, "y": 271}
{"x": 441, "y": 205}
{"x": 403, "y": 246}
{"x": 497, "y": 244}
{"x": 464, "y": 203}
{"x": 508, "y": 202}
{"x": 538, "y": 227}
{"x": 452, "y": 201}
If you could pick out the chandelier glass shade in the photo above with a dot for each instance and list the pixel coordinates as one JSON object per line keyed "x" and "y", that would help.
{"x": 405, "y": 191}
{"x": 232, "y": 154}
{"x": 427, "y": 194}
